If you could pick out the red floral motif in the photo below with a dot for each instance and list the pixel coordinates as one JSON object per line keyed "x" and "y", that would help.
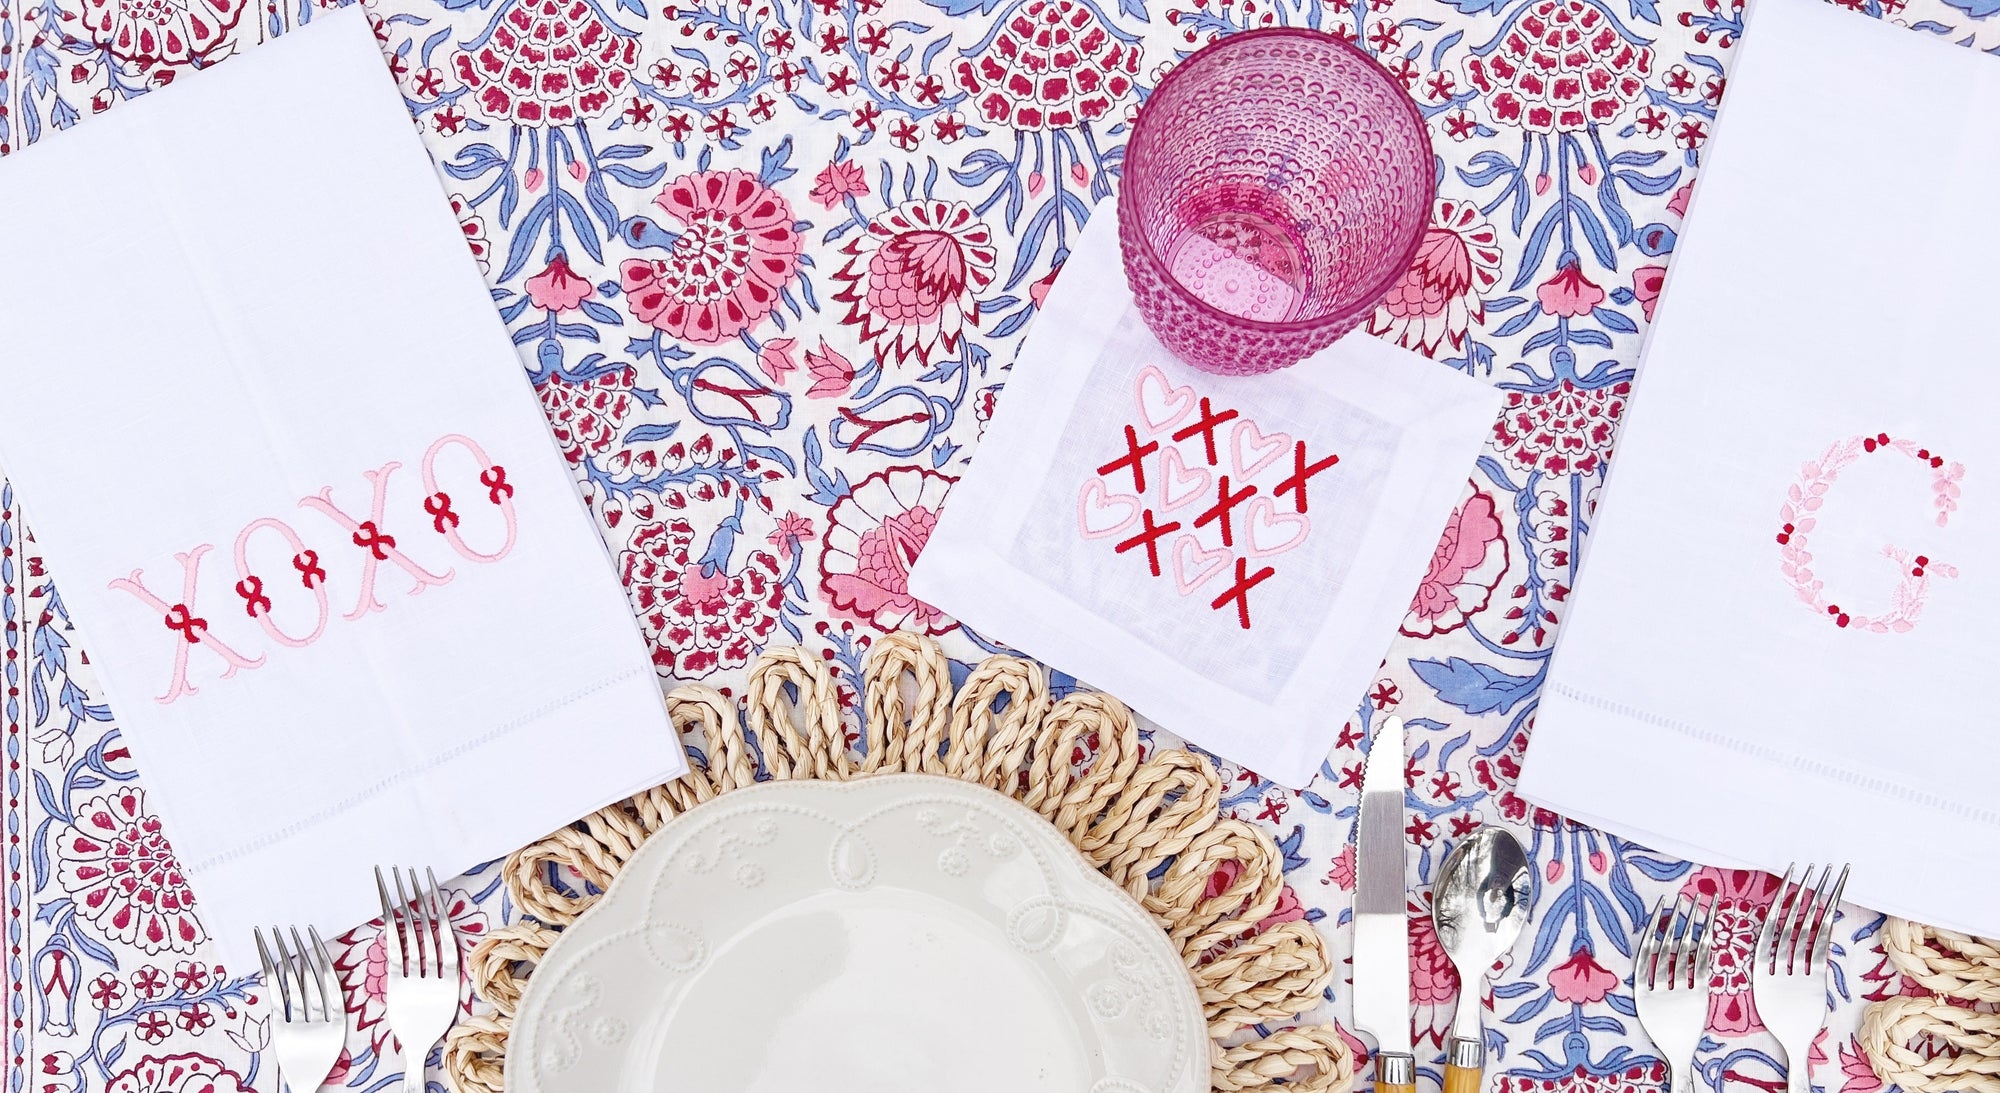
{"x": 1646, "y": 284}
{"x": 186, "y": 1073}
{"x": 1581, "y": 980}
{"x": 124, "y": 878}
{"x": 473, "y": 226}
{"x": 585, "y": 416}
{"x": 1569, "y": 294}
{"x": 547, "y": 62}
{"x": 735, "y": 253}
{"x": 1740, "y": 897}
{"x": 1441, "y": 295}
{"x": 1433, "y": 981}
{"x": 162, "y": 32}
{"x": 557, "y": 287}
{"x": 1639, "y": 1078}
{"x": 1566, "y": 429}
{"x": 1052, "y": 64}
{"x": 1561, "y": 67}
{"x": 699, "y": 617}
{"x": 1467, "y": 566}
{"x": 873, "y": 536}
{"x": 911, "y": 280}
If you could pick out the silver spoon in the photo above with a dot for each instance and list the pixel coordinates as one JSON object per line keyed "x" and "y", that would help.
{"x": 1479, "y": 907}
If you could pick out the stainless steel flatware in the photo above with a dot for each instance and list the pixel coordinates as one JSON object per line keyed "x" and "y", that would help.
{"x": 1789, "y": 976}
{"x": 1479, "y": 904}
{"x": 421, "y": 945}
{"x": 1670, "y": 984}
{"x": 309, "y": 1016}
{"x": 1381, "y": 923}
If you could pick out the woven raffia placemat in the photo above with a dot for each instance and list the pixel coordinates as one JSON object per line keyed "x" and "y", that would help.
{"x": 1945, "y": 1039}
{"x": 1151, "y": 826}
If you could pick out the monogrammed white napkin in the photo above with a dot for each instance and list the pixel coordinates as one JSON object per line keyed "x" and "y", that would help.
{"x": 1781, "y": 647}
{"x": 291, "y": 482}
{"x": 1229, "y": 555}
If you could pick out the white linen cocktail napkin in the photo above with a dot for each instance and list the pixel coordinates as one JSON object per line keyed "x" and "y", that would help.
{"x": 1230, "y": 555}
{"x": 1781, "y": 645}
{"x": 342, "y": 593}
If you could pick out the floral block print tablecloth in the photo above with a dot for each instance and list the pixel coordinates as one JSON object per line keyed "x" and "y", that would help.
{"x": 767, "y": 262}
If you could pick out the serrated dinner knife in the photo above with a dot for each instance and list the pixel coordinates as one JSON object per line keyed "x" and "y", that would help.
{"x": 1381, "y": 921}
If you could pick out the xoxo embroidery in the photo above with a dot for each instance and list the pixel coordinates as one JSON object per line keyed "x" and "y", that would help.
{"x": 1241, "y": 490}
{"x": 1800, "y": 517}
{"x": 374, "y": 538}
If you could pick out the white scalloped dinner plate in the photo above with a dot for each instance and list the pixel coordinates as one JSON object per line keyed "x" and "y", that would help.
{"x": 894, "y": 933}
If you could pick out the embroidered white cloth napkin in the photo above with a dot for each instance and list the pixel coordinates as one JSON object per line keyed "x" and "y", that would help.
{"x": 289, "y": 477}
{"x": 1781, "y": 647}
{"x": 1229, "y": 555}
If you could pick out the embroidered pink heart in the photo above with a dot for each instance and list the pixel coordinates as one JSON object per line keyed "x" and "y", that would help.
{"x": 1101, "y": 514}
{"x": 1252, "y": 449}
{"x": 1179, "y": 483}
{"x": 1193, "y": 566}
{"x": 1270, "y": 532}
{"x": 1161, "y": 404}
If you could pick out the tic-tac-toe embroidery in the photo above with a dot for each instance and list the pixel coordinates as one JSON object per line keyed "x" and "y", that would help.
{"x": 1244, "y": 489}
{"x": 374, "y": 538}
{"x": 1800, "y": 516}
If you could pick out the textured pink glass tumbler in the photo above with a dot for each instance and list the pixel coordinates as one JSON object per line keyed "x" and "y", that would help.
{"x": 1276, "y": 185}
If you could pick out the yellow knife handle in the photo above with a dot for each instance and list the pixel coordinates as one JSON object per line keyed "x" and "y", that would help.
{"x": 1464, "y": 1066}
{"x": 1395, "y": 1073}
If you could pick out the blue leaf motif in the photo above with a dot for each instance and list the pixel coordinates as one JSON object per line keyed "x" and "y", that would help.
{"x": 1475, "y": 688}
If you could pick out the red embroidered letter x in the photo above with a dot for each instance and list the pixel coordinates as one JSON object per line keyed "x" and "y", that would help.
{"x": 1135, "y": 458}
{"x": 368, "y": 535}
{"x": 1240, "y": 591}
{"x": 1224, "y": 501}
{"x": 1149, "y": 537}
{"x": 188, "y": 628}
{"x": 1205, "y": 425}
{"x": 1301, "y": 470}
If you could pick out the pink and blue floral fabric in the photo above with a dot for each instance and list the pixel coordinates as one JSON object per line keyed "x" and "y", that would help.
{"x": 767, "y": 262}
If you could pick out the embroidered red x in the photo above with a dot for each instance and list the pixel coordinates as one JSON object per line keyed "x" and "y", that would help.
{"x": 1224, "y": 501}
{"x": 1205, "y": 425}
{"x": 1135, "y": 458}
{"x": 1149, "y": 537}
{"x": 1240, "y": 591}
{"x": 1301, "y": 471}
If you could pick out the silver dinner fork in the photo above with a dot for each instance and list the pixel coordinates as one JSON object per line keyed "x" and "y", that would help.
{"x": 1788, "y": 979}
{"x": 422, "y": 952}
{"x": 310, "y": 1015}
{"x": 1670, "y": 984}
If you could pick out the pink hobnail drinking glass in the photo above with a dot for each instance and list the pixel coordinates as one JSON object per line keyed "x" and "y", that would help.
{"x": 1277, "y": 183}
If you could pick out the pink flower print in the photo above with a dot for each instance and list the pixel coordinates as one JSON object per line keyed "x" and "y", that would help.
{"x": 556, "y": 288}
{"x": 791, "y": 531}
{"x": 775, "y": 359}
{"x": 873, "y": 536}
{"x": 1581, "y": 980}
{"x": 1441, "y": 295}
{"x": 1433, "y": 981}
{"x": 1052, "y": 64}
{"x": 736, "y": 251}
{"x": 1566, "y": 429}
{"x": 912, "y": 279}
{"x": 1646, "y": 282}
{"x": 1856, "y": 1072}
{"x": 1560, "y": 66}
{"x": 547, "y": 62}
{"x": 585, "y": 417}
{"x": 831, "y": 372}
{"x": 1569, "y": 293}
{"x": 700, "y": 615}
{"x": 186, "y": 32}
{"x": 1678, "y": 204}
{"x": 1739, "y": 897}
{"x": 1466, "y": 567}
{"x": 116, "y": 866}
{"x": 473, "y": 227}
{"x": 1341, "y": 874}
{"x": 184, "y": 1073}
{"x": 836, "y": 182}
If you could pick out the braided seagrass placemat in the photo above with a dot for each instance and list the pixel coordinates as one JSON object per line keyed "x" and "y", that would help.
{"x": 1151, "y": 826}
{"x": 1950, "y": 1038}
